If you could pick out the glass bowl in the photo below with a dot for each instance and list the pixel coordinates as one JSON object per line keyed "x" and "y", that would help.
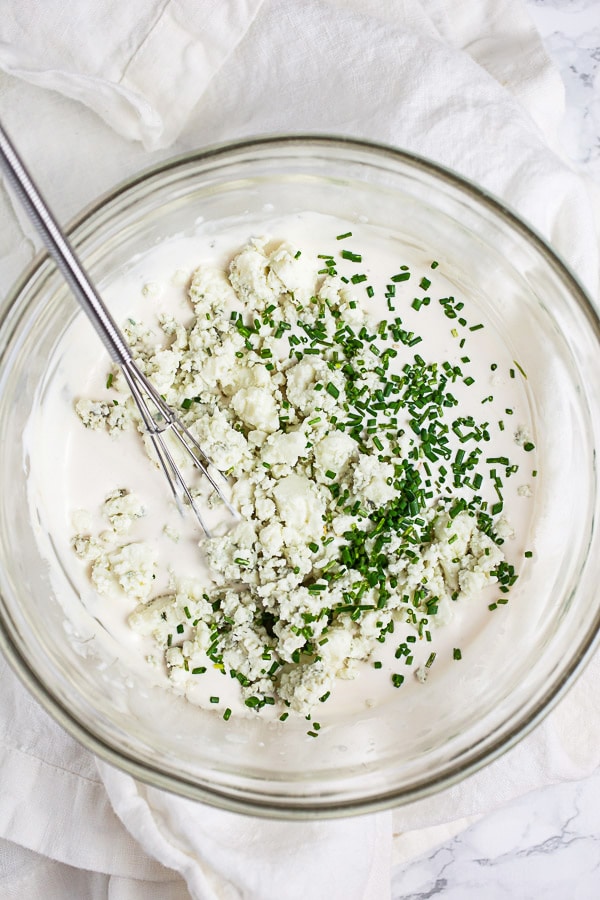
{"x": 390, "y": 753}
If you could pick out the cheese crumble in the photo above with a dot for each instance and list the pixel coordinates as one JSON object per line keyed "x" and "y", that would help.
{"x": 363, "y": 497}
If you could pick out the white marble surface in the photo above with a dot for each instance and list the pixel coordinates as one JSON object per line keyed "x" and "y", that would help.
{"x": 543, "y": 846}
{"x": 571, "y": 33}
{"x": 546, "y": 844}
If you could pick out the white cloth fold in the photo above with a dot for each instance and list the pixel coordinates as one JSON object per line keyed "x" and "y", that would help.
{"x": 267, "y": 860}
{"x": 141, "y": 66}
{"x": 465, "y": 82}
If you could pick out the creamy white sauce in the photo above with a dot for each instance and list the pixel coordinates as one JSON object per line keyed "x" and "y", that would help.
{"x": 73, "y": 468}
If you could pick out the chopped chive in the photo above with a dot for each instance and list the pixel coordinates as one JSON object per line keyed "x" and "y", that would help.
{"x": 520, "y": 369}
{"x": 342, "y": 237}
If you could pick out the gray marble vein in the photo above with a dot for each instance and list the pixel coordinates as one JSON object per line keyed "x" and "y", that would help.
{"x": 543, "y": 846}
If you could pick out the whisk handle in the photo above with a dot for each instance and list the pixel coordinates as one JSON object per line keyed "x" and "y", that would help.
{"x": 61, "y": 251}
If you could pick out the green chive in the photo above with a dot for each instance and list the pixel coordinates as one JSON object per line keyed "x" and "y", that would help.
{"x": 520, "y": 369}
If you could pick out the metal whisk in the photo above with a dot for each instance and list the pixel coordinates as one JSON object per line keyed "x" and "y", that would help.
{"x": 157, "y": 416}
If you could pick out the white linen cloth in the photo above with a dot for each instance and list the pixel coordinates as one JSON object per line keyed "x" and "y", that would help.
{"x": 93, "y": 91}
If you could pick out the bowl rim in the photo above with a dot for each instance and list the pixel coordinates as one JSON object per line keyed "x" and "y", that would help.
{"x": 274, "y": 806}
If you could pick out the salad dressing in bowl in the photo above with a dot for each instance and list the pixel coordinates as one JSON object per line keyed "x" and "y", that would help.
{"x": 378, "y": 744}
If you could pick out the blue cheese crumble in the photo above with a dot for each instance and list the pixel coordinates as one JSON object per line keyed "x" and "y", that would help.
{"x": 355, "y": 475}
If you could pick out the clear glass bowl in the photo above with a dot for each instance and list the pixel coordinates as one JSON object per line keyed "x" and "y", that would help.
{"x": 378, "y": 759}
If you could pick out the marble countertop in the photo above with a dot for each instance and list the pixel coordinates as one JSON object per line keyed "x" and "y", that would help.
{"x": 546, "y": 844}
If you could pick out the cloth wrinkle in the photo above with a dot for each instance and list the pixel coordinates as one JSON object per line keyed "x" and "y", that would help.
{"x": 154, "y": 26}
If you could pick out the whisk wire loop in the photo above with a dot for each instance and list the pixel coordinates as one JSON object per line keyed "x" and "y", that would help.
{"x": 165, "y": 421}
